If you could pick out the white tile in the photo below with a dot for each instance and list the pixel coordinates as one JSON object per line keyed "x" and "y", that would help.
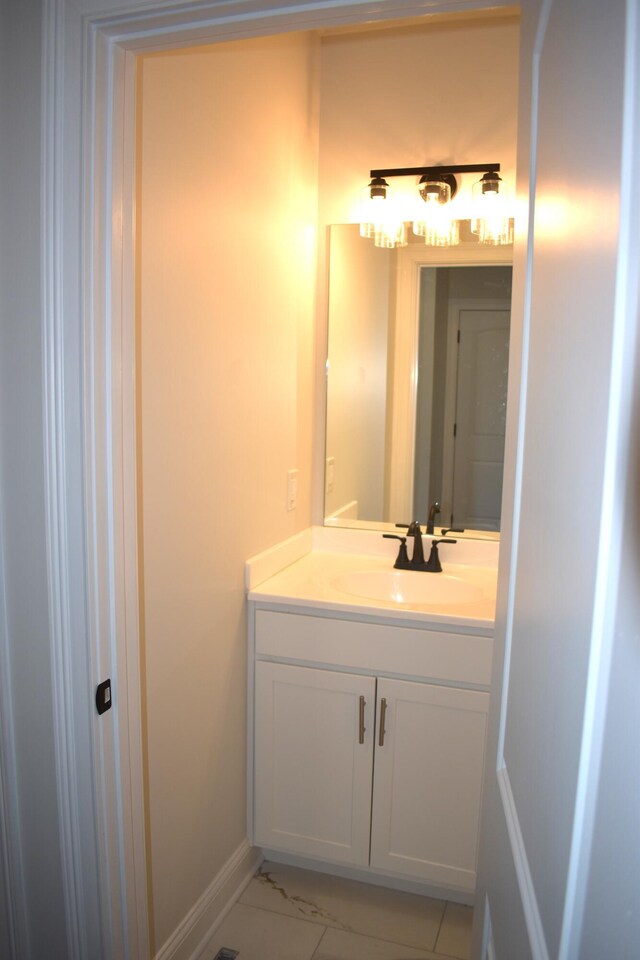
{"x": 376, "y": 912}
{"x": 339, "y": 945}
{"x": 454, "y": 939}
{"x": 261, "y": 935}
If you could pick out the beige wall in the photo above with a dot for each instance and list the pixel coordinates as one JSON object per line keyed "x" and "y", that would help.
{"x": 411, "y": 96}
{"x": 227, "y": 217}
{"x": 360, "y": 281}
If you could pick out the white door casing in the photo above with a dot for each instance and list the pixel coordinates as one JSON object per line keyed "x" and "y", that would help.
{"x": 70, "y": 30}
{"x": 84, "y": 307}
{"x": 81, "y": 304}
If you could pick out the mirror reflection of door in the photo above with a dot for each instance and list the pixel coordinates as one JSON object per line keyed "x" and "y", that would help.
{"x": 392, "y": 381}
{"x": 462, "y": 368}
{"x": 477, "y": 439}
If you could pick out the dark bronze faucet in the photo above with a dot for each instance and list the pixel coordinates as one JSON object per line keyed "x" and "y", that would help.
{"x": 413, "y": 530}
{"x": 431, "y": 519}
{"x": 433, "y": 564}
{"x": 417, "y": 562}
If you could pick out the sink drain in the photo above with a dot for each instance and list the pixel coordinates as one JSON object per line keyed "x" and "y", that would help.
{"x": 226, "y": 954}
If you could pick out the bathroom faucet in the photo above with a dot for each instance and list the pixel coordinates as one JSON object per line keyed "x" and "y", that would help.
{"x": 417, "y": 562}
{"x": 413, "y": 530}
{"x": 433, "y": 509}
{"x": 417, "y": 557}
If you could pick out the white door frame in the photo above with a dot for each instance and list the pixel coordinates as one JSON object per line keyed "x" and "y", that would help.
{"x": 89, "y": 51}
{"x": 404, "y": 375}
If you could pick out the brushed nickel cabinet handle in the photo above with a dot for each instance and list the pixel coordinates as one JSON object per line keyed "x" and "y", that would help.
{"x": 361, "y": 727}
{"x": 383, "y": 714}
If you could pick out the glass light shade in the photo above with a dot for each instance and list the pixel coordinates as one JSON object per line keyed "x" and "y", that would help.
{"x": 491, "y": 222}
{"x": 442, "y": 232}
{"x": 433, "y": 220}
{"x": 434, "y": 191}
{"x": 390, "y": 234}
{"x": 381, "y": 218}
{"x": 371, "y": 210}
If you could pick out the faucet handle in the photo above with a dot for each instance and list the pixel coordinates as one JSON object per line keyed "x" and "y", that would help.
{"x": 433, "y": 563}
{"x": 446, "y": 530}
{"x": 403, "y": 556}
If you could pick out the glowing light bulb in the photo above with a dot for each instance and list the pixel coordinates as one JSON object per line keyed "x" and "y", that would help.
{"x": 492, "y": 222}
{"x": 433, "y": 220}
{"x": 381, "y": 217}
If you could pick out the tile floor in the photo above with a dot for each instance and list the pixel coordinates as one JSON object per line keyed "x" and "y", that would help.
{"x": 290, "y": 914}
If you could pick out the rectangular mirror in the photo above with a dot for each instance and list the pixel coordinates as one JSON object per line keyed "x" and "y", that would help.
{"x": 418, "y": 348}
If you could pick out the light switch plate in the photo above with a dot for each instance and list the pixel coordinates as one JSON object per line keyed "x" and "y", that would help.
{"x": 292, "y": 489}
{"x": 328, "y": 474}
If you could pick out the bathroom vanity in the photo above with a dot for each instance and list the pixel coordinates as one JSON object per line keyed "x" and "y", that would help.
{"x": 368, "y": 711}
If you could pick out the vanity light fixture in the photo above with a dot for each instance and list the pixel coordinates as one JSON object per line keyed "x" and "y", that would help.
{"x": 383, "y": 219}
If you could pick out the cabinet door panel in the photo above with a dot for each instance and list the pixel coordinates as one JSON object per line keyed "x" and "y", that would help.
{"x": 312, "y": 776}
{"x": 428, "y": 782}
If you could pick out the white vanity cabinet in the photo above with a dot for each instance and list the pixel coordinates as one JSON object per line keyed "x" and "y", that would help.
{"x": 427, "y": 787}
{"x": 313, "y": 761}
{"x": 356, "y": 765}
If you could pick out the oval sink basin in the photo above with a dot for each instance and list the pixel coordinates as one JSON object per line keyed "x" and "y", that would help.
{"x": 407, "y": 586}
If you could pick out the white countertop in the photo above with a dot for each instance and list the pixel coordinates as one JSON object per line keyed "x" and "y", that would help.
{"x": 307, "y": 570}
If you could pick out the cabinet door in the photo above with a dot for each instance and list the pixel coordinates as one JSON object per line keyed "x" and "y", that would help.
{"x": 313, "y": 774}
{"x": 428, "y": 781}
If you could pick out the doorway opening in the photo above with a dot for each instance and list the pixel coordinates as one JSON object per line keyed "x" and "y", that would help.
{"x": 461, "y": 401}
{"x": 122, "y": 293}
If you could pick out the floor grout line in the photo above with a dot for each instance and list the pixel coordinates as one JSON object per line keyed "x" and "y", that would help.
{"x": 435, "y": 942}
{"x": 339, "y": 926}
{"x": 358, "y": 933}
{"x": 287, "y": 916}
{"x": 319, "y": 943}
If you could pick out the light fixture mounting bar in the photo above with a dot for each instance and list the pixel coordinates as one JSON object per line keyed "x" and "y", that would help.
{"x": 435, "y": 171}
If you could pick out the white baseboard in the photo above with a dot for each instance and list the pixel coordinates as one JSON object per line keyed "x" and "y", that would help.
{"x": 488, "y": 949}
{"x": 190, "y": 938}
{"x": 530, "y": 908}
{"x": 491, "y": 952}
